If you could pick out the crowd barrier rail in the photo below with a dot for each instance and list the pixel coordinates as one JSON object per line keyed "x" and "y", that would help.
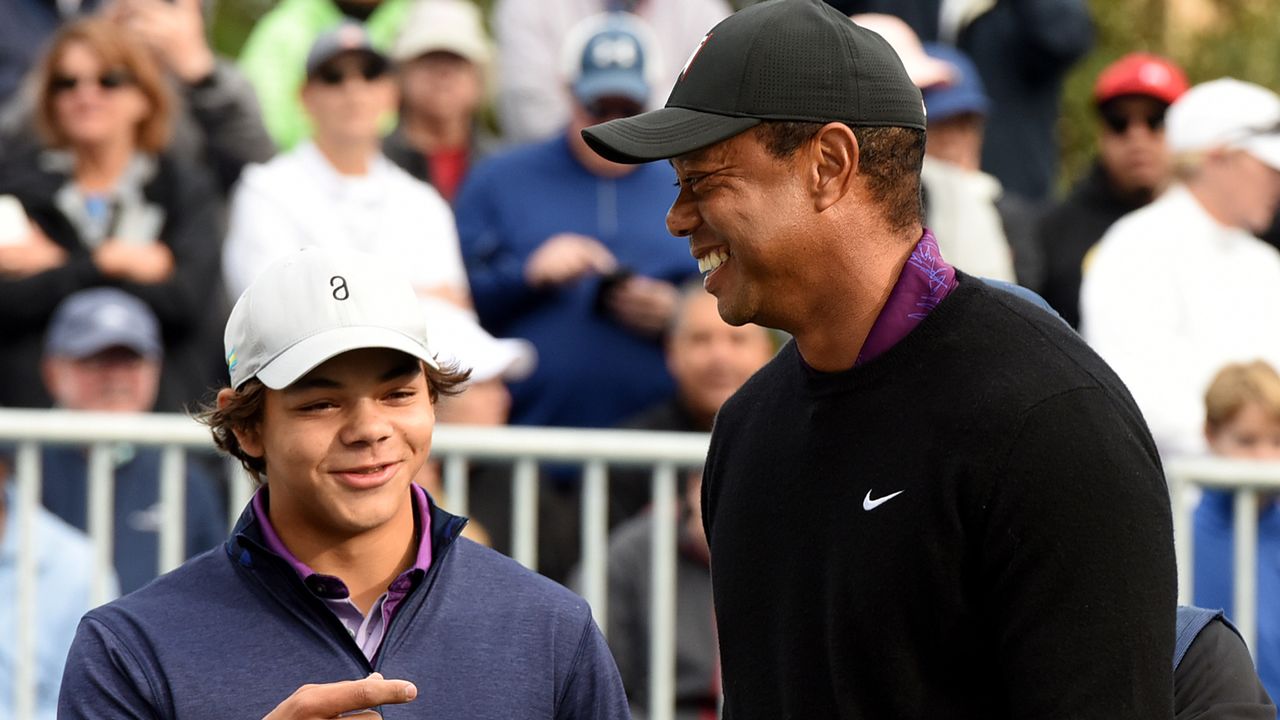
{"x": 456, "y": 446}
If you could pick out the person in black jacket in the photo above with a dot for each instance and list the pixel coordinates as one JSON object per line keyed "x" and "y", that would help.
{"x": 1213, "y": 674}
{"x": 1133, "y": 166}
{"x": 106, "y": 206}
{"x": 936, "y": 501}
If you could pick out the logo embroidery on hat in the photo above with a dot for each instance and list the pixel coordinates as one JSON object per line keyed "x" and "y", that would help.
{"x": 703, "y": 43}
{"x": 621, "y": 52}
{"x": 339, "y": 285}
{"x": 232, "y": 360}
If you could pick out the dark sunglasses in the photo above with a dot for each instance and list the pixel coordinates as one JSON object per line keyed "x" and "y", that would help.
{"x": 110, "y": 80}
{"x": 370, "y": 70}
{"x": 1119, "y": 123}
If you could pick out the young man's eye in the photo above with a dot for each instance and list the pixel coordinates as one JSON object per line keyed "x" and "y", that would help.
{"x": 402, "y": 394}
{"x": 316, "y": 406}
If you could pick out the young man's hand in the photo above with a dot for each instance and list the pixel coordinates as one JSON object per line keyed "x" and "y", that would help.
{"x": 347, "y": 699}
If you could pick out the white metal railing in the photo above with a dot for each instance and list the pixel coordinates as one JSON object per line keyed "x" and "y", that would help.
{"x": 1247, "y": 478}
{"x": 594, "y": 450}
{"x": 456, "y": 446}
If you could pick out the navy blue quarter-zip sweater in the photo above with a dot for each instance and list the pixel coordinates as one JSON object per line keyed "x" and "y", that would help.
{"x": 234, "y": 632}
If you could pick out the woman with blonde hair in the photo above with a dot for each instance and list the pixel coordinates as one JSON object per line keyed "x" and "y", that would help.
{"x": 102, "y": 204}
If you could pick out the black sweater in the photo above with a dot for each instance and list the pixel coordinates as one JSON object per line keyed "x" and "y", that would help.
{"x": 1026, "y": 569}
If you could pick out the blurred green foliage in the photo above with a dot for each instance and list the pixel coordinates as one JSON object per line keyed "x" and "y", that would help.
{"x": 1209, "y": 38}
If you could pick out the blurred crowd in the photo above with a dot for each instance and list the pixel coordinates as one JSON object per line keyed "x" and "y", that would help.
{"x": 145, "y": 181}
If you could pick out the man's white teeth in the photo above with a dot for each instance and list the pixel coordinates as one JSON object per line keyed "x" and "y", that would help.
{"x": 712, "y": 260}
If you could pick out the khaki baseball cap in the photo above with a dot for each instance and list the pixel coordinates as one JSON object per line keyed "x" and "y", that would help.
{"x": 318, "y": 303}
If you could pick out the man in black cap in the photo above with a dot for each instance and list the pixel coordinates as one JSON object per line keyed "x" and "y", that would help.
{"x": 936, "y": 502}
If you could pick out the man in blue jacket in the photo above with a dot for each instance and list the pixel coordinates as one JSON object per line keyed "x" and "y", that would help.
{"x": 343, "y": 588}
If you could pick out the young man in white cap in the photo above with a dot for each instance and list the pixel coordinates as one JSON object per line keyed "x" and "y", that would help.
{"x": 936, "y": 501}
{"x": 343, "y": 587}
{"x": 1181, "y": 287}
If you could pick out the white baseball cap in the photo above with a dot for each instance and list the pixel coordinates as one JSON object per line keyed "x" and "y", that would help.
{"x": 318, "y": 303}
{"x": 444, "y": 25}
{"x": 1226, "y": 113}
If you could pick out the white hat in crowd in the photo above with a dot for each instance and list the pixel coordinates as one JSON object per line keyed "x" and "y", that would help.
{"x": 463, "y": 342}
{"x": 924, "y": 70}
{"x": 453, "y": 26}
{"x": 1226, "y": 113}
{"x": 315, "y": 304}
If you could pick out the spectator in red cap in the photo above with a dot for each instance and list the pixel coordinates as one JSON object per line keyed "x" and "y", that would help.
{"x": 1132, "y": 167}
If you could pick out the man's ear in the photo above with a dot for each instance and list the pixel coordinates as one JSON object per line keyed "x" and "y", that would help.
{"x": 250, "y": 439}
{"x": 835, "y": 153}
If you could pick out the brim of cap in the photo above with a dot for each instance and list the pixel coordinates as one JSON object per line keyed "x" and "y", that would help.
{"x": 318, "y": 62}
{"x": 470, "y": 49}
{"x": 303, "y": 357}
{"x": 1266, "y": 148}
{"x": 605, "y": 84}
{"x": 88, "y": 344}
{"x": 662, "y": 134}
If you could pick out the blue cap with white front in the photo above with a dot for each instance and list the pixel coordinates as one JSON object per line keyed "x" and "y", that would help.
{"x": 613, "y": 60}
{"x": 964, "y": 94}
{"x": 90, "y": 321}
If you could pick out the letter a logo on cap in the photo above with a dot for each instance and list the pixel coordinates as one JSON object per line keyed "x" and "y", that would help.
{"x": 685, "y": 70}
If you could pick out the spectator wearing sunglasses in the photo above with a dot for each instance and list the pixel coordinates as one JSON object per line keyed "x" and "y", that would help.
{"x": 1178, "y": 289}
{"x": 570, "y": 252}
{"x": 216, "y": 118}
{"x": 105, "y": 203}
{"x": 273, "y": 54}
{"x": 338, "y": 189}
{"x": 1133, "y": 166}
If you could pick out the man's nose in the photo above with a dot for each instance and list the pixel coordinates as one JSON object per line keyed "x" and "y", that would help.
{"x": 682, "y": 218}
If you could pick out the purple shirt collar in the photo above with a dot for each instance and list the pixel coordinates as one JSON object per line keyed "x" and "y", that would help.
{"x": 925, "y": 281}
{"x": 328, "y": 587}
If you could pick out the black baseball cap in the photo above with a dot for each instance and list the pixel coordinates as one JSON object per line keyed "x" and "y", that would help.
{"x": 796, "y": 60}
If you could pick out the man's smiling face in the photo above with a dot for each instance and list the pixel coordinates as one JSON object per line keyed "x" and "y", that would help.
{"x": 744, "y": 212}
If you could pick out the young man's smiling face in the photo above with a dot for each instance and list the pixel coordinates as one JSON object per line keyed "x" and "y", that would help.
{"x": 342, "y": 445}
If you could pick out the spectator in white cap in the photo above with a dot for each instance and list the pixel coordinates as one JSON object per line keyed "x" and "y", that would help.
{"x": 343, "y": 589}
{"x": 443, "y": 63}
{"x": 1181, "y": 287}
{"x": 338, "y": 189}
{"x": 103, "y": 354}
